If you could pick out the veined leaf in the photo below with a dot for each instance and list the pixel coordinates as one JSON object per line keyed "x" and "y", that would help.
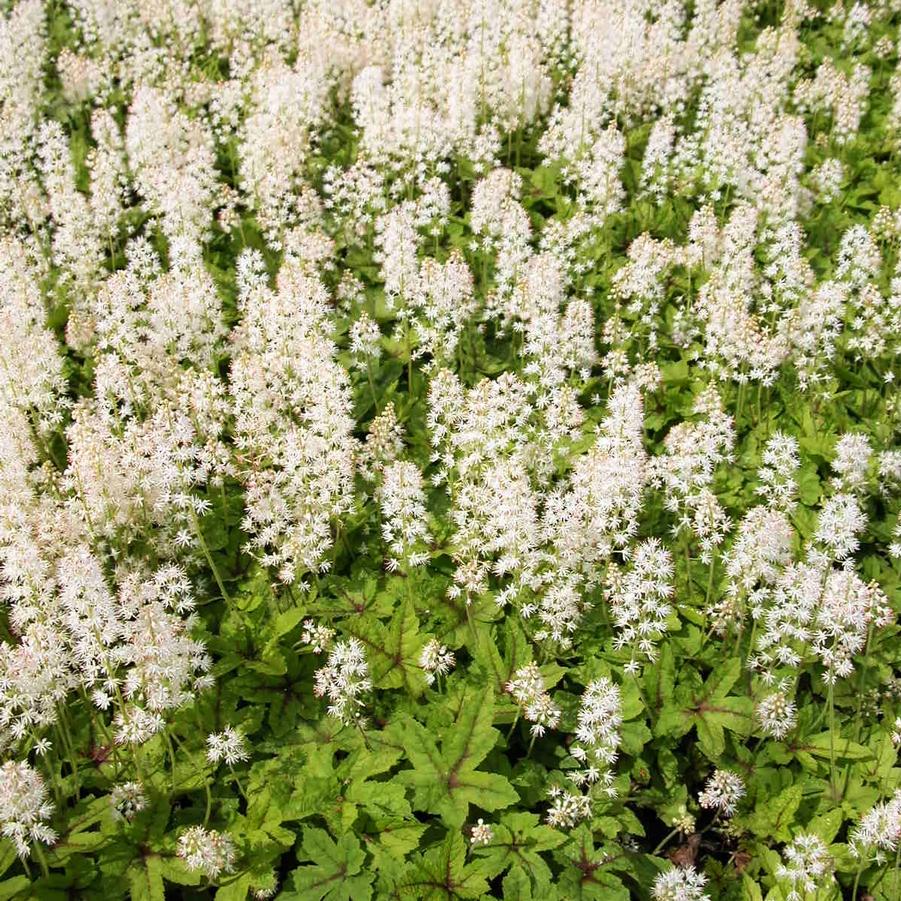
{"x": 441, "y": 873}
{"x": 445, "y": 780}
{"x": 393, "y": 651}
{"x": 518, "y": 840}
{"x": 772, "y": 817}
{"x": 145, "y": 879}
{"x": 335, "y": 874}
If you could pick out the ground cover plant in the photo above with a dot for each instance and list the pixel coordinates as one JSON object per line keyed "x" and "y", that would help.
{"x": 448, "y": 449}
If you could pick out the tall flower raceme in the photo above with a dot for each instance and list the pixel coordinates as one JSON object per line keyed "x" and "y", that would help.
{"x": 404, "y": 523}
{"x": 532, "y": 288}
{"x": 77, "y": 239}
{"x": 595, "y": 750}
{"x": 639, "y": 596}
{"x": 558, "y": 331}
{"x": 441, "y": 306}
{"x": 32, "y": 380}
{"x": 722, "y": 792}
{"x": 24, "y": 807}
{"x": 293, "y": 423}
{"x": 73, "y": 630}
{"x": 596, "y": 513}
{"x": 878, "y": 834}
{"x": 764, "y": 541}
{"x": 821, "y": 614}
{"x": 502, "y": 227}
{"x": 144, "y": 448}
{"x": 485, "y": 71}
{"x": 528, "y": 690}
{"x": 23, "y": 49}
{"x": 640, "y": 285}
{"x": 494, "y": 449}
{"x": 288, "y": 106}
{"x": 776, "y": 712}
{"x": 548, "y": 544}
{"x": 819, "y": 606}
{"x": 130, "y": 651}
{"x": 212, "y": 853}
{"x": 485, "y": 210}
{"x": 173, "y": 159}
{"x": 398, "y": 236}
{"x": 383, "y": 445}
{"x": 685, "y": 472}
{"x": 436, "y": 660}
{"x": 806, "y": 866}
{"x": 344, "y": 680}
{"x": 680, "y": 884}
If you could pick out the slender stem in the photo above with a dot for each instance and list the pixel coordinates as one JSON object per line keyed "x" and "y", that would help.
{"x": 371, "y": 383}
{"x": 171, "y": 754}
{"x": 238, "y": 783}
{"x": 860, "y": 690}
{"x": 209, "y": 557}
{"x": 409, "y": 361}
{"x": 831, "y": 704}
{"x": 663, "y": 842}
{"x": 42, "y": 860}
{"x": 863, "y": 681}
{"x": 857, "y": 875}
{"x": 66, "y": 739}
{"x": 708, "y": 596}
{"x": 209, "y": 803}
{"x": 644, "y": 699}
{"x": 359, "y": 726}
{"x": 136, "y": 755}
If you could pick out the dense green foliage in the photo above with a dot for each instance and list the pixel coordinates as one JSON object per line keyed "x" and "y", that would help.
{"x": 382, "y": 803}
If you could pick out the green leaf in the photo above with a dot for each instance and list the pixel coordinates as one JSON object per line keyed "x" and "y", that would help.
{"x": 516, "y": 885}
{"x": 827, "y": 825}
{"x": 335, "y": 874}
{"x": 237, "y": 890}
{"x": 721, "y": 680}
{"x": 660, "y": 678}
{"x": 174, "y": 869}
{"x": 441, "y": 873}
{"x": 750, "y": 890}
{"x": 8, "y": 855}
{"x": 399, "y": 838}
{"x": 518, "y": 840}
{"x": 585, "y": 877}
{"x": 709, "y": 708}
{"x": 824, "y": 745}
{"x": 393, "y": 651}
{"x": 9, "y": 888}
{"x": 445, "y": 781}
{"x": 516, "y": 653}
{"x": 145, "y": 879}
{"x": 773, "y": 816}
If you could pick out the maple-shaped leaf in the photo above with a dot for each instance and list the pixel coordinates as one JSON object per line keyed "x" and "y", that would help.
{"x": 519, "y": 838}
{"x": 392, "y": 650}
{"x": 708, "y": 707}
{"x": 445, "y": 779}
{"x": 516, "y": 653}
{"x": 336, "y": 873}
{"x": 442, "y": 874}
{"x": 589, "y": 873}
